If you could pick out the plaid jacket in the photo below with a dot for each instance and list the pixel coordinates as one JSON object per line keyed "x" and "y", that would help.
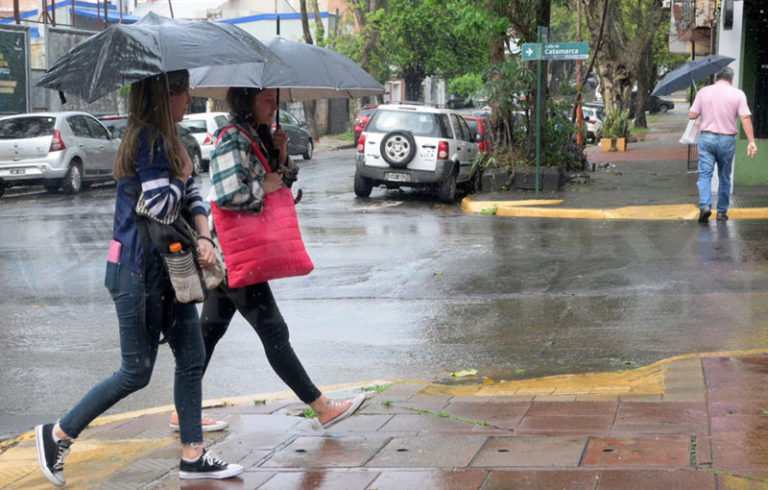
{"x": 237, "y": 176}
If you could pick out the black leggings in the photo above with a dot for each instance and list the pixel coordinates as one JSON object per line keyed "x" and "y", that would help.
{"x": 258, "y": 307}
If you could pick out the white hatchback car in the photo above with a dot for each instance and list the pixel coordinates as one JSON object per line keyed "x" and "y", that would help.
{"x": 67, "y": 150}
{"x": 408, "y": 145}
{"x": 203, "y": 126}
{"x": 594, "y": 124}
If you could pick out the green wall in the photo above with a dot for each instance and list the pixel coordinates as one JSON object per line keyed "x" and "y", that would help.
{"x": 751, "y": 171}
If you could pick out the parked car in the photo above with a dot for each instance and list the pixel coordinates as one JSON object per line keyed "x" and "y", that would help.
{"x": 203, "y": 126}
{"x": 299, "y": 137}
{"x": 67, "y": 150}
{"x": 116, "y": 126}
{"x": 362, "y": 119}
{"x": 653, "y": 104}
{"x": 480, "y": 125}
{"x": 407, "y": 145}
{"x": 593, "y": 123}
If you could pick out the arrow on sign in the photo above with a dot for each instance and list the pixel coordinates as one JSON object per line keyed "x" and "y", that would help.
{"x": 529, "y": 52}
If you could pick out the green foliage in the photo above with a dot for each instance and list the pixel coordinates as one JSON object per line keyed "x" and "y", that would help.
{"x": 616, "y": 124}
{"x": 308, "y": 413}
{"x": 466, "y": 85}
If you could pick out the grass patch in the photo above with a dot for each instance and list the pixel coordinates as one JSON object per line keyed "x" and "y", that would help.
{"x": 259, "y": 402}
{"x": 639, "y": 130}
{"x": 309, "y": 413}
{"x": 490, "y": 211}
{"x": 446, "y": 415}
{"x": 348, "y": 136}
{"x": 376, "y": 388}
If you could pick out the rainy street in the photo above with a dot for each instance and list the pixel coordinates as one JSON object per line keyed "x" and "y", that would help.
{"x": 403, "y": 288}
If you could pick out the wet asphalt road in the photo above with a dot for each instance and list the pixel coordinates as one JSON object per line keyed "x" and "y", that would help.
{"x": 403, "y": 288}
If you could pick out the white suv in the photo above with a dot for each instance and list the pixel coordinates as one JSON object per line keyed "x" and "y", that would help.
{"x": 408, "y": 145}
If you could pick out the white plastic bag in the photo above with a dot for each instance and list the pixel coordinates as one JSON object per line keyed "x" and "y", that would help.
{"x": 691, "y": 134}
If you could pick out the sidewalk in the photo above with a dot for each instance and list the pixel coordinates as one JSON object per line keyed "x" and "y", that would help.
{"x": 691, "y": 422}
{"x": 651, "y": 180}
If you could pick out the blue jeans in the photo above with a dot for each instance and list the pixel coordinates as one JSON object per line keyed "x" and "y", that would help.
{"x": 714, "y": 148}
{"x": 142, "y": 314}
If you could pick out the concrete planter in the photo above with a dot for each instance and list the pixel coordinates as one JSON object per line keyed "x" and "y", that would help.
{"x": 606, "y": 144}
{"x": 621, "y": 144}
{"x": 551, "y": 179}
{"x": 494, "y": 179}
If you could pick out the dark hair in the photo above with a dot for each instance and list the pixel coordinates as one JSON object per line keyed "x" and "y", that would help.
{"x": 240, "y": 100}
{"x": 724, "y": 74}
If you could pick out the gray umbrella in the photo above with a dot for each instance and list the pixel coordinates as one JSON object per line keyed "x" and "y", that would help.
{"x": 690, "y": 73}
{"x": 310, "y": 72}
{"x": 126, "y": 53}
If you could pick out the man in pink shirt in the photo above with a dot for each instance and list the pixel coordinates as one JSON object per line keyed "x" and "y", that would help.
{"x": 719, "y": 105}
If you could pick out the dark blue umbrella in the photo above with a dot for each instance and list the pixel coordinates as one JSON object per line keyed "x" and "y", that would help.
{"x": 690, "y": 73}
{"x": 126, "y": 53}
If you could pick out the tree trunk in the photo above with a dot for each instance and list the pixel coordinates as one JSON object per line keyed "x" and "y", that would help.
{"x": 370, "y": 34}
{"x": 543, "y": 11}
{"x": 501, "y": 123}
{"x": 319, "y": 28}
{"x": 309, "y": 105}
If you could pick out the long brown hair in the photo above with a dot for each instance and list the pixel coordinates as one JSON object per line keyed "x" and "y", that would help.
{"x": 240, "y": 101}
{"x": 150, "y": 104}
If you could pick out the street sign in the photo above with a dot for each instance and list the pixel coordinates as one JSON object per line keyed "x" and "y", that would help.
{"x": 531, "y": 51}
{"x": 565, "y": 51}
{"x": 555, "y": 51}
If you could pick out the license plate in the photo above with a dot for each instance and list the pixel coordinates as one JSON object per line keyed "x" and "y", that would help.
{"x": 18, "y": 171}
{"x": 397, "y": 177}
{"x": 428, "y": 154}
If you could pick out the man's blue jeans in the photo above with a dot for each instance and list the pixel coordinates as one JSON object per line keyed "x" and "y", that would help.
{"x": 141, "y": 314}
{"x": 715, "y": 149}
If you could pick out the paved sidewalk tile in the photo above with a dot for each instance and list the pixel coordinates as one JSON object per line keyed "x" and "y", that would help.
{"x": 531, "y": 451}
{"x": 638, "y": 451}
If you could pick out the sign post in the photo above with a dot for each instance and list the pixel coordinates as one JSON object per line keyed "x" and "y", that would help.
{"x": 543, "y": 50}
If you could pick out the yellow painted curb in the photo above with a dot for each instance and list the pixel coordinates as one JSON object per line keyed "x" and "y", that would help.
{"x": 534, "y": 209}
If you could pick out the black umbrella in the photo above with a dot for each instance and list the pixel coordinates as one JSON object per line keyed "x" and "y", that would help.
{"x": 308, "y": 72}
{"x": 690, "y": 73}
{"x": 126, "y": 53}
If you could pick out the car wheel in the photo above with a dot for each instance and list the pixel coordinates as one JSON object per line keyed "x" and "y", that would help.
{"x": 73, "y": 181}
{"x": 363, "y": 185}
{"x": 308, "y": 154}
{"x": 197, "y": 164}
{"x": 663, "y": 109}
{"x": 447, "y": 192}
{"x": 398, "y": 148}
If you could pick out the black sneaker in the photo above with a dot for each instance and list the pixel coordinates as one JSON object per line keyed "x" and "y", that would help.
{"x": 704, "y": 213}
{"x": 722, "y": 216}
{"x": 208, "y": 466}
{"x": 51, "y": 454}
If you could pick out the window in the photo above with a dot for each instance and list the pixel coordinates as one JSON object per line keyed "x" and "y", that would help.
{"x": 195, "y": 125}
{"x": 220, "y": 121}
{"x": 79, "y": 126}
{"x": 97, "y": 130}
{"x": 26, "y": 127}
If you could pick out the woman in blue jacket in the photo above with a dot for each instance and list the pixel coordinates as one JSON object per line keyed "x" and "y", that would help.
{"x": 151, "y": 161}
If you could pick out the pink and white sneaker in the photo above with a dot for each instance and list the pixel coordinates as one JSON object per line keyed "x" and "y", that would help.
{"x": 338, "y": 410}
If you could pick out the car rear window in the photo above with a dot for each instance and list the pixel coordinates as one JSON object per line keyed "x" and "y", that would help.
{"x": 367, "y": 112}
{"x": 195, "y": 125}
{"x": 26, "y": 127}
{"x": 418, "y": 123}
{"x": 472, "y": 123}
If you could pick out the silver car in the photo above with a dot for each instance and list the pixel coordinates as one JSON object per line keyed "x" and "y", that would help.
{"x": 407, "y": 145}
{"x": 61, "y": 150}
